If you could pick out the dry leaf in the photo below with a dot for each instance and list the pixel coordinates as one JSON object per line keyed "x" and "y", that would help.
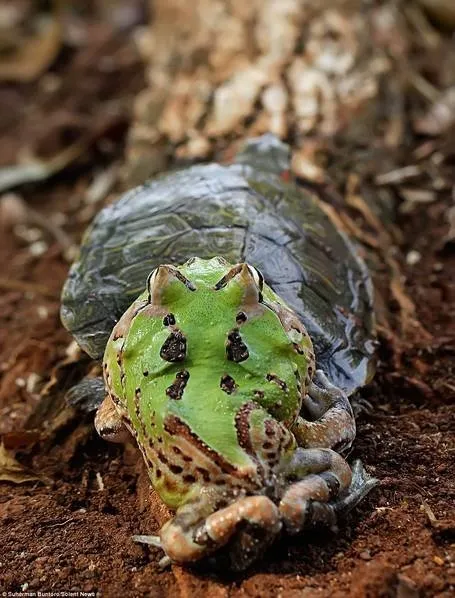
{"x": 34, "y": 56}
{"x": 12, "y": 471}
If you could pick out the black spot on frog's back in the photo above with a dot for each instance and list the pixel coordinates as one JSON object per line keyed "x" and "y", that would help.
{"x": 174, "y": 347}
{"x": 236, "y": 350}
{"x": 227, "y": 384}
{"x": 175, "y": 390}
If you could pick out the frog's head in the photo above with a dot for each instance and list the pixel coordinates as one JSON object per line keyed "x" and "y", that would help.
{"x": 235, "y": 285}
{"x": 208, "y": 324}
{"x": 219, "y": 313}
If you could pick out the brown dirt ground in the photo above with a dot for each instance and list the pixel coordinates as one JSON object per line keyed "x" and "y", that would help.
{"x": 73, "y": 529}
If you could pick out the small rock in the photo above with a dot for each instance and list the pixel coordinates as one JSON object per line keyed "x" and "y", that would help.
{"x": 38, "y": 248}
{"x": 413, "y": 257}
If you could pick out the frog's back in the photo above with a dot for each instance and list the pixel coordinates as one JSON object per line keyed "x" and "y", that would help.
{"x": 189, "y": 366}
{"x": 244, "y": 212}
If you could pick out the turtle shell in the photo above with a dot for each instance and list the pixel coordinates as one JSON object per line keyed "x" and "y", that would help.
{"x": 245, "y": 212}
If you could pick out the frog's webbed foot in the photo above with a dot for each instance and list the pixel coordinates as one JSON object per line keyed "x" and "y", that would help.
{"x": 240, "y": 532}
{"x": 109, "y": 424}
{"x": 254, "y": 521}
{"x": 334, "y": 424}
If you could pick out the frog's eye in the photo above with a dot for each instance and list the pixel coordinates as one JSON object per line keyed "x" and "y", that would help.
{"x": 247, "y": 272}
{"x": 159, "y": 278}
{"x": 257, "y": 276}
{"x": 151, "y": 279}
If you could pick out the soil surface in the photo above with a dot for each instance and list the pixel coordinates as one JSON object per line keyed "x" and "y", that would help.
{"x": 69, "y": 502}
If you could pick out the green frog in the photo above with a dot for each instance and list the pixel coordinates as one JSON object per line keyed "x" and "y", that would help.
{"x": 214, "y": 376}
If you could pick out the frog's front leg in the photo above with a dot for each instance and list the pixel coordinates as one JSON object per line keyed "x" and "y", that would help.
{"x": 326, "y": 488}
{"x": 109, "y": 424}
{"x": 334, "y": 424}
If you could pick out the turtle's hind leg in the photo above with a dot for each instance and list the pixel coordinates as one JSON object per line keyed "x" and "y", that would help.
{"x": 360, "y": 486}
{"x": 334, "y": 424}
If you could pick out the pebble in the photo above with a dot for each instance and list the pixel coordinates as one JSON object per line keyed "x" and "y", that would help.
{"x": 413, "y": 258}
{"x": 38, "y": 248}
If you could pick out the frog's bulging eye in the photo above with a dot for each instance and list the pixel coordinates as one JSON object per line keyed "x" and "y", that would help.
{"x": 169, "y": 320}
{"x": 257, "y": 276}
{"x": 241, "y": 317}
{"x": 247, "y": 273}
{"x": 228, "y": 277}
{"x": 160, "y": 277}
{"x": 236, "y": 350}
{"x": 174, "y": 347}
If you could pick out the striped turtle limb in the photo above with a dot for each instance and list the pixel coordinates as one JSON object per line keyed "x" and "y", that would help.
{"x": 333, "y": 424}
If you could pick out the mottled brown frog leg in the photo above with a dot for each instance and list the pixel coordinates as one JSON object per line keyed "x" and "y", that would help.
{"x": 108, "y": 423}
{"x": 334, "y": 424}
{"x": 193, "y": 533}
{"x": 326, "y": 490}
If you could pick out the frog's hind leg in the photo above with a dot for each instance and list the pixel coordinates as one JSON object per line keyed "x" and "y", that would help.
{"x": 325, "y": 488}
{"x": 193, "y": 534}
{"x": 334, "y": 424}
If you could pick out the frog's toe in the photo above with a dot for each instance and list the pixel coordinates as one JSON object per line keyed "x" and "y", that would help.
{"x": 154, "y": 541}
{"x": 150, "y": 540}
{"x": 324, "y": 383}
{"x": 361, "y": 479}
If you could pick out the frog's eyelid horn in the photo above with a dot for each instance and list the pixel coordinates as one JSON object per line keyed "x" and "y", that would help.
{"x": 237, "y": 269}
{"x": 168, "y": 272}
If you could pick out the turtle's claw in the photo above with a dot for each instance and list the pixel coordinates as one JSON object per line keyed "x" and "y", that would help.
{"x": 361, "y": 484}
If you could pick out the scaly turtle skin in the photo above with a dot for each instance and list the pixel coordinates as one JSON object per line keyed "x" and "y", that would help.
{"x": 245, "y": 212}
{"x": 212, "y": 371}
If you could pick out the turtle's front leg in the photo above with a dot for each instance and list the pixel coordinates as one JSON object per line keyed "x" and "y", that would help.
{"x": 326, "y": 489}
{"x": 334, "y": 424}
